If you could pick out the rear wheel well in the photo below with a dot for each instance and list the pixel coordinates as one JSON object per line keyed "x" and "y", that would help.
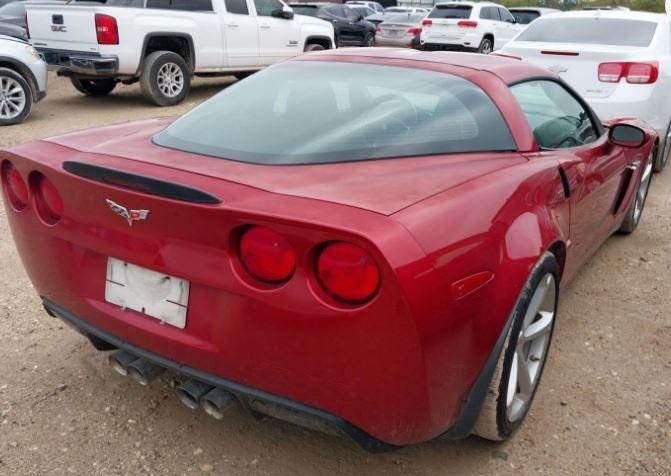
{"x": 318, "y": 40}
{"x": 489, "y": 36}
{"x": 558, "y": 249}
{"x": 23, "y": 71}
{"x": 181, "y": 45}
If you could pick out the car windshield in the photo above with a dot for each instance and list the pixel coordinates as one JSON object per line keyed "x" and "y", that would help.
{"x": 593, "y": 31}
{"x": 14, "y": 9}
{"x": 451, "y": 11}
{"x": 307, "y": 10}
{"x": 307, "y": 112}
{"x": 524, "y": 17}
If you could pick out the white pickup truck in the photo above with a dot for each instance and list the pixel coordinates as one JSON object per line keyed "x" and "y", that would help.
{"x": 163, "y": 43}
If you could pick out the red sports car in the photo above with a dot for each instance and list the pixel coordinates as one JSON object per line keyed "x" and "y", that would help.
{"x": 367, "y": 242}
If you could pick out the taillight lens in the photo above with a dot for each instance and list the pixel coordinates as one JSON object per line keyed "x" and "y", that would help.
{"x": 415, "y": 31}
{"x": 106, "y": 30}
{"x": 377, "y": 30}
{"x": 347, "y": 272}
{"x": 267, "y": 255}
{"x": 427, "y": 22}
{"x": 467, "y": 24}
{"x": 48, "y": 201}
{"x": 635, "y": 73}
{"x": 16, "y": 189}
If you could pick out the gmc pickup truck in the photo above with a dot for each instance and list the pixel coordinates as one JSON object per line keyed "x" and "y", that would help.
{"x": 163, "y": 43}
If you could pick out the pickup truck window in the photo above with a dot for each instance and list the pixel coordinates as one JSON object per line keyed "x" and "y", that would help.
{"x": 310, "y": 112}
{"x": 237, "y": 6}
{"x": 125, "y": 3}
{"x": 192, "y": 5}
{"x": 265, "y": 8}
{"x": 162, "y": 4}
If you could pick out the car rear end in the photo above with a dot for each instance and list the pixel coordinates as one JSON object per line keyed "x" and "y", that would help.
{"x": 76, "y": 39}
{"x": 400, "y": 30}
{"x": 616, "y": 61}
{"x": 292, "y": 305}
{"x": 451, "y": 26}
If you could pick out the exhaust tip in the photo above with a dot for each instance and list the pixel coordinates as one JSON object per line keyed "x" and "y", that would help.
{"x": 144, "y": 372}
{"x": 120, "y": 361}
{"x": 191, "y": 391}
{"x": 216, "y": 402}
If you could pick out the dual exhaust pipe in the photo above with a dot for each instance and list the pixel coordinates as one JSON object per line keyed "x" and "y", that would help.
{"x": 192, "y": 393}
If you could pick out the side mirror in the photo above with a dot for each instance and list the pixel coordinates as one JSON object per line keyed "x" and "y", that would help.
{"x": 286, "y": 13}
{"x": 626, "y": 135}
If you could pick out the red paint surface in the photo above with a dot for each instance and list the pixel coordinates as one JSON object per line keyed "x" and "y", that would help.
{"x": 398, "y": 366}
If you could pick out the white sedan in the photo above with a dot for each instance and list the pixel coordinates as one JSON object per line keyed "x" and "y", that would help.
{"x": 618, "y": 61}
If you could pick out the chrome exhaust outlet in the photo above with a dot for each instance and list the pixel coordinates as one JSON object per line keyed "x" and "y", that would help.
{"x": 191, "y": 391}
{"x": 216, "y": 402}
{"x": 143, "y": 371}
{"x": 120, "y": 361}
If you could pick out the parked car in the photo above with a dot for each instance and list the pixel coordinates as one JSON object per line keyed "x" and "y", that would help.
{"x": 375, "y": 6}
{"x": 351, "y": 29}
{"x": 286, "y": 267}
{"x": 619, "y": 61}
{"x": 362, "y": 10}
{"x": 100, "y": 46}
{"x": 377, "y": 18}
{"x": 483, "y": 27}
{"x": 525, "y": 15}
{"x": 400, "y": 30}
{"x": 23, "y": 80}
{"x": 398, "y": 9}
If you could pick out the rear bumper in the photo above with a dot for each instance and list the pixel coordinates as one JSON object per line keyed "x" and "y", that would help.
{"x": 80, "y": 63}
{"x": 258, "y": 402}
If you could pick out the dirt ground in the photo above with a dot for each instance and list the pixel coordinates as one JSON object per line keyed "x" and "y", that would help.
{"x": 604, "y": 406}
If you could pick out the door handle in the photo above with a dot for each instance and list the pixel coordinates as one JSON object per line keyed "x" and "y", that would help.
{"x": 232, "y": 25}
{"x": 634, "y": 165}
{"x": 265, "y": 27}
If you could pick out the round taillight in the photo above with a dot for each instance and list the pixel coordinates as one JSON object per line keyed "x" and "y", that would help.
{"x": 15, "y": 187}
{"x": 48, "y": 201}
{"x": 348, "y": 273}
{"x": 267, "y": 255}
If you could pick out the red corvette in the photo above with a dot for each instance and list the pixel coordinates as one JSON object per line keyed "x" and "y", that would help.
{"x": 368, "y": 242}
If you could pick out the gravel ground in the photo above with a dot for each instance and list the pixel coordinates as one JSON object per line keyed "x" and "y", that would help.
{"x": 604, "y": 406}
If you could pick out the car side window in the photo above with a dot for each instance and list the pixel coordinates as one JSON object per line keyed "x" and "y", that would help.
{"x": 506, "y": 15}
{"x": 484, "y": 13}
{"x": 162, "y": 4}
{"x": 556, "y": 117}
{"x": 337, "y": 10}
{"x": 239, "y": 7}
{"x": 192, "y": 5}
{"x": 351, "y": 14}
{"x": 265, "y": 8}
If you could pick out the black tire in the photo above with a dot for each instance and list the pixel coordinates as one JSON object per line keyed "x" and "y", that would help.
{"x": 313, "y": 47}
{"x": 369, "y": 40}
{"x": 14, "y": 113}
{"x": 152, "y": 74}
{"x": 664, "y": 150}
{"x": 635, "y": 211}
{"x": 494, "y": 422}
{"x": 486, "y": 46}
{"x": 94, "y": 87}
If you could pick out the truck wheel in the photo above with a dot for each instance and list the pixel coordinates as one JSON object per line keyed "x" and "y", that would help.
{"x": 486, "y": 46}
{"x": 313, "y": 47}
{"x": 16, "y": 99}
{"x": 93, "y": 87}
{"x": 165, "y": 78}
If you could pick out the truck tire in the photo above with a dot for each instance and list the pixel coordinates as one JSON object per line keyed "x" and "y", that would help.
{"x": 16, "y": 97}
{"x": 313, "y": 47}
{"x": 486, "y": 46}
{"x": 165, "y": 78}
{"x": 93, "y": 87}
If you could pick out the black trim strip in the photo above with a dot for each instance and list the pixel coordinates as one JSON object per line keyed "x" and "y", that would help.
{"x": 564, "y": 182}
{"x": 139, "y": 183}
{"x": 245, "y": 394}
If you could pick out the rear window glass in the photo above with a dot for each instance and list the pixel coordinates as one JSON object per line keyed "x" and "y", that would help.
{"x": 305, "y": 10}
{"x": 308, "y": 112}
{"x": 594, "y": 31}
{"x": 451, "y": 11}
{"x": 15, "y": 9}
{"x": 409, "y": 18}
{"x": 525, "y": 17}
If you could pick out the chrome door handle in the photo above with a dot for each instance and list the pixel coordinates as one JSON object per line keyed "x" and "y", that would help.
{"x": 634, "y": 165}
{"x": 232, "y": 25}
{"x": 265, "y": 27}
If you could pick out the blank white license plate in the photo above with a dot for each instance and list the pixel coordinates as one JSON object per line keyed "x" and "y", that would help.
{"x": 153, "y": 294}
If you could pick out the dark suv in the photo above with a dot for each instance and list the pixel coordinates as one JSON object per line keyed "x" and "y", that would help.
{"x": 350, "y": 27}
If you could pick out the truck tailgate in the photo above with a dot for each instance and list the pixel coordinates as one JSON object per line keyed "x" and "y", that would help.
{"x": 68, "y": 28}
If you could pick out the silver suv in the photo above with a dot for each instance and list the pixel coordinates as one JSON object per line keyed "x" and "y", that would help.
{"x": 23, "y": 80}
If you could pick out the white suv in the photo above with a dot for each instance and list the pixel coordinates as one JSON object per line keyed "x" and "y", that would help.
{"x": 23, "y": 80}
{"x": 482, "y": 27}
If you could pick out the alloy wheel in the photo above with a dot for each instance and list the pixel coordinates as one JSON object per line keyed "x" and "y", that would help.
{"x": 170, "y": 79}
{"x": 12, "y": 98}
{"x": 531, "y": 349}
